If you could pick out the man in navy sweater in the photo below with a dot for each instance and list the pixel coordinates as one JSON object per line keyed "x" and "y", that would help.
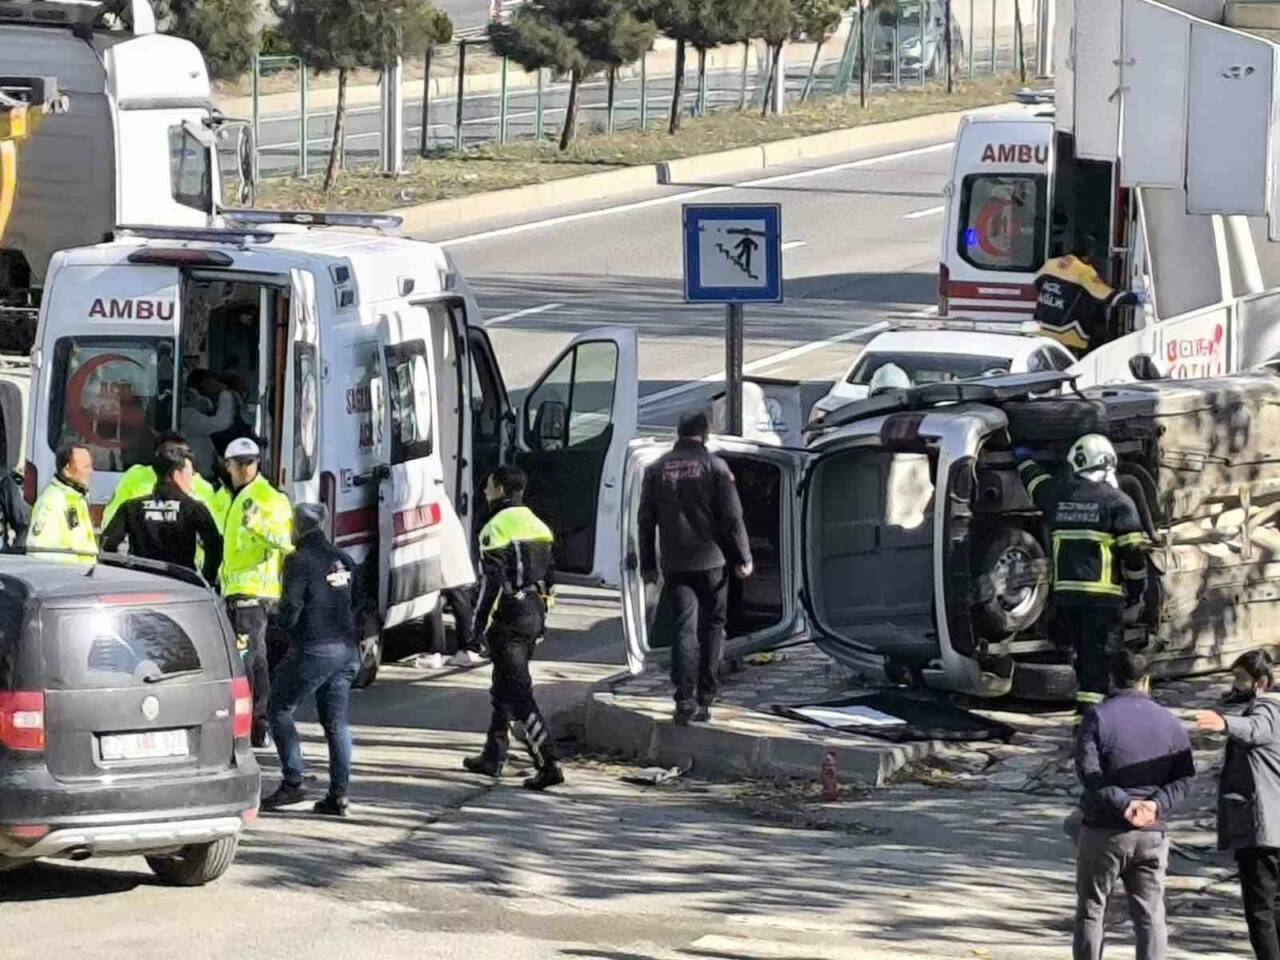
{"x": 1134, "y": 761}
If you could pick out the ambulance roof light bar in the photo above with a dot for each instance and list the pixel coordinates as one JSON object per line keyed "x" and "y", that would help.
{"x": 1028, "y": 328}
{"x": 199, "y": 234}
{"x": 382, "y": 222}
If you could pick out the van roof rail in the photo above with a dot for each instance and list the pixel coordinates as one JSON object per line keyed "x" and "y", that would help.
{"x": 1033, "y": 97}
{"x": 206, "y": 234}
{"x": 382, "y": 222}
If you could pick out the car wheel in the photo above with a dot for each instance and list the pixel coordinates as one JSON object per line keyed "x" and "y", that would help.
{"x": 196, "y": 865}
{"x": 370, "y": 653}
{"x": 1015, "y": 584}
{"x": 1038, "y": 421}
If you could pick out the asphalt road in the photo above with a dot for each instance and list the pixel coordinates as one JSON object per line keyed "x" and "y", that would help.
{"x": 861, "y": 242}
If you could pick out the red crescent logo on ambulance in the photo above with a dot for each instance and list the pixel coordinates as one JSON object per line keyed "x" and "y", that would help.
{"x": 87, "y": 415}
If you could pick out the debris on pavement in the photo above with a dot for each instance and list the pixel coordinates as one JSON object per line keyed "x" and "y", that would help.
{"x": 652, "y": 776}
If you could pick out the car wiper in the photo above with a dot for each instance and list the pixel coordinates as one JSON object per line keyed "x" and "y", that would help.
{"x": 162, "y": 677}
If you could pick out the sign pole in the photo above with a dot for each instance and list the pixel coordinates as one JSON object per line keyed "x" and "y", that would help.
{"x": 733, "y": 337}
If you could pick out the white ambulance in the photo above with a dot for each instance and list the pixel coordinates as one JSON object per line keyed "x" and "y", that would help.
{"x": 371, "y": 384}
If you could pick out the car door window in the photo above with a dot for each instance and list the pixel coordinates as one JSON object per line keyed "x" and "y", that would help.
{"x": 409, "y": 392}
{"x": 572, "y": 407}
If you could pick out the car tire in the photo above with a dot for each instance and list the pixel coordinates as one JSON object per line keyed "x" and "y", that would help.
{"x": 196, "y": 865}
{"x": 1040, "y": 421}
{"x": 370, "y": 654}
{"x": 1015, "y": 583}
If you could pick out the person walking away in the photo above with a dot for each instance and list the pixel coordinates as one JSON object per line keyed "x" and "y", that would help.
{"x": 1135, "y": 765}
{"x": 1072, "y": 301}
{"x": 517, "y": 575}
{"x": 169, "y": 524}
{"x": 1099, "y": 550}
{"x": 257, "y": 536}
{"x": 319, "y": 609}
{"x": 1249, "y": 797}
{"x": 690, "y": 501}
{"x": 140, "y": 479}
{"x": 60, "y": 519}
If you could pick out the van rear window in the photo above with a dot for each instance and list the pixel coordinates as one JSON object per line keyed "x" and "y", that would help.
{"x": 1003, "y": 220}
{"x": 100, "y": 647}
{"x": 113, "y": 394}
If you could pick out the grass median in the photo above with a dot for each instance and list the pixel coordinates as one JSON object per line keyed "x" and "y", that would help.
{"x": 446, "y": 175}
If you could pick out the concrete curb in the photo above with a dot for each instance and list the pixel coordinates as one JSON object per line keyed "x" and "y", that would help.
{"x": 441, "y": 214}
{"x": 620, "y": 725}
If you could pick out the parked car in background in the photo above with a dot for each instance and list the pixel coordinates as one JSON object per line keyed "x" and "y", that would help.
{"x": 124, "y": 718}
{"x": 915, "y": 353}
{"x": 914, "y": 46}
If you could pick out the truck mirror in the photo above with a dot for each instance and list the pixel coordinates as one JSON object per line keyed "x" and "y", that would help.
{"x": 549, "y": 425}
{"x": 1143, "y": 367}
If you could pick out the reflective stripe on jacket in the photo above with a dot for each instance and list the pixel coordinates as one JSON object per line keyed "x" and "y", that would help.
{"x": 61, "y": 520}
{"x": 258, "y": 532}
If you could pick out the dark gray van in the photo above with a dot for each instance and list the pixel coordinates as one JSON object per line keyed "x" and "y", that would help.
{"x": 124, "y": 718}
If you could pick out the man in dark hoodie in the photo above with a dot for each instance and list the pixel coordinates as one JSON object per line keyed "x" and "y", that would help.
{"x": 690, "y": 503}
{"x": 1134, "y": 761}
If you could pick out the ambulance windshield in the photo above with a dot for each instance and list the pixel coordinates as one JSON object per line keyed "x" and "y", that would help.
{"x": 1003, "y": 221}
{"x": 112, "y": 394}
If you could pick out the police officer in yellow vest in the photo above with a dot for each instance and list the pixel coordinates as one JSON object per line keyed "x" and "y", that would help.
{"x": 1072, "y": 301}
{"x": 60, "y": 519}
{"x": 258, "y": 529}
{"x": 517, "y": 571}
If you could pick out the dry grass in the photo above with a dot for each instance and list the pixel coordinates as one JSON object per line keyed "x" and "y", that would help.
{"x": 450, "y": 174}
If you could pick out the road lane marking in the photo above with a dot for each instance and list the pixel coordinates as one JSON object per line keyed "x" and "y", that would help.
{"x": 794, "y": 245}
{"x": 931, "y": 212}
{"x": 528, "y": 312}
{"x": 691, "y": 194}
{"x": 775, "y": 359}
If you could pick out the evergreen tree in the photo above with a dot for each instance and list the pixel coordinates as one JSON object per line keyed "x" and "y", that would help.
{"x": 816, "y": 21}
{"x": 701, "y": 24}
{"x": 774, "y": 22}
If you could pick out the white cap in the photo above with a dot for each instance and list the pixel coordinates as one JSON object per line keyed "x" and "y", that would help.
{"x": 242, "y": 448}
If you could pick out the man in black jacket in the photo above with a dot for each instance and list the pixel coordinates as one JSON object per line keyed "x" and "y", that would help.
{"x": 690, "y": 500}
{"x": 319, "y": 612}
{"x": 1134, "y": 761}
{"x": 166, "y": 523}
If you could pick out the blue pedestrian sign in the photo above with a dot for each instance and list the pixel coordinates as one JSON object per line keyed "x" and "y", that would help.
{"x": 733, "y": 253}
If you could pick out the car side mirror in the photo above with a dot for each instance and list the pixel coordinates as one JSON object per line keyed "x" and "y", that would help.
{"x": 1144, "y": 368}
{"x": 550, "y": 425}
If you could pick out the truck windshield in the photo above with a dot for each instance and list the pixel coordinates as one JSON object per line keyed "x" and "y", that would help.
{"x": 922, "y": 368}
{"x": 1002, "y": 221}
{"x": 112, "y": 394}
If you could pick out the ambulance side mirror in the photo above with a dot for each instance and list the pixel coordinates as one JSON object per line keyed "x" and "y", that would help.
{"x": 1143, "y": 367}
{"x": 550, "y": 425}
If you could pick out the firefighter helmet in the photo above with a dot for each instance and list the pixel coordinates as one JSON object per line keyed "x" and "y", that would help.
{"x": 1092, "y": 452}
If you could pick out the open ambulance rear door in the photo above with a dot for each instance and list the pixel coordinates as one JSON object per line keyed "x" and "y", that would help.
{"x": 572, "y": 430}
{"x": 766, "y": 609}
{"x": 422, "y": 547}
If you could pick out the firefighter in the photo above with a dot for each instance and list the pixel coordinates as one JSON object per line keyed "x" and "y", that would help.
{"x": 258, "y": 533}
{"x": 1099, "y": 551}
{"x": 60, "y": 519}
{"x": 1072, "y": 301}
{"x": 515, "y": 589}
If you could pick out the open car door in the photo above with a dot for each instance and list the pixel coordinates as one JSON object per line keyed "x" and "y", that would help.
{"x": 300, "y": 440}
{"x": 422, "y": 547}
{"x": 572, "y": 433}
{"x": 765, "y": 609}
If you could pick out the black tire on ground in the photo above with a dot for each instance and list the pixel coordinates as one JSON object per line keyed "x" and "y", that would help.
{"x": 1040, "y": 421}
{"x": 370, "y": 653}
{"x": 1013, "y": 583}
{"x": 196, "y": 865}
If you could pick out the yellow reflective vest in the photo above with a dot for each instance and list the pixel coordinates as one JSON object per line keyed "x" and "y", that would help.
{"x": 61, "y": 520}
{"x": 140, "y": 480}
{"x": 258, "y": 532}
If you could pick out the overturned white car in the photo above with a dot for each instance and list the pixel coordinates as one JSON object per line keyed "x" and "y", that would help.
{"x": 903, "y": 542}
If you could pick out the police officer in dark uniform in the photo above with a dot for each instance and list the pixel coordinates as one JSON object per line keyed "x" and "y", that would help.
{"x": 690, "y": 499}
{"x": 1100, "y": 562}
{"x": 318, "y": 610}
{"x": 167, "y": 523}
{"x": 1072, "y": 301}
{"x": 516, "y": 577}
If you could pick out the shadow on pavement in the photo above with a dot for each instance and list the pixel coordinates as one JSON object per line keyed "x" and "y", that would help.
{"x": 46, "y": 880}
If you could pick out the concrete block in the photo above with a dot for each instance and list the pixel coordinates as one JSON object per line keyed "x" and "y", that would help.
{"x": 714, "y": 752}
{"x": 619, "y": 730}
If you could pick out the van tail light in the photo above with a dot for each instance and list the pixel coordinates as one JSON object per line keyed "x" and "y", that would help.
{"x": 22, "y": 720}
{"x": 944, "y": 284}
{"x": 30, "y": 483}
{"x": 329, "y": 497}
{"x": 242, "y": 711}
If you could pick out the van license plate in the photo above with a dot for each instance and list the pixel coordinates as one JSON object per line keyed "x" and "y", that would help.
{"x": 153, "y": 745}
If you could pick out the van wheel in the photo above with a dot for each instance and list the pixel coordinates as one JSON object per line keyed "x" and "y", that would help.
{"x": 370, "y": 654}
{"x": 1037, "y": 421}
{"x": 1014, "y": 576}
{"x": 196, "y": 865}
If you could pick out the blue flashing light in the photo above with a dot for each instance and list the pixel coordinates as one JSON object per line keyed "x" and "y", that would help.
{"x": 971, "y": 237}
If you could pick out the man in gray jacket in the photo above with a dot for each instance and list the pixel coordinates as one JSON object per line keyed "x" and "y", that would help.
{"x": 1249, "y": 797}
